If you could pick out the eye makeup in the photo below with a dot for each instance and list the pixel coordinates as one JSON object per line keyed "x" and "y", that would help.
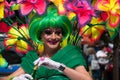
{"x": 50, "y": 31}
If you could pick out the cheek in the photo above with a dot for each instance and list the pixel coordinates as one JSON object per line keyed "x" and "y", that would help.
{"x": 60, "y": 37}
{"x": 46, "y": 37}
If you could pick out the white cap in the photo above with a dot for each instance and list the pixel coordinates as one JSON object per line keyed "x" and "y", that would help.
{"x": 101, "y": 54}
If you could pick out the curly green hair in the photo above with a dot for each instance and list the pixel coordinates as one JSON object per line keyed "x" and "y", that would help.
{"x": 50, "y": 19}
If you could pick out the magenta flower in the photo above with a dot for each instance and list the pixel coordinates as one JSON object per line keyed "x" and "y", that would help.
{"x": 26, "y": 6}
{"x": 83, "y": 10}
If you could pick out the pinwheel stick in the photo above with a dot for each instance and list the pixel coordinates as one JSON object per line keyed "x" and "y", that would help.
{"x": 34, "y": 71}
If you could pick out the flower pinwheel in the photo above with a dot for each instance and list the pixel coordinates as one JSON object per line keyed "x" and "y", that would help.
{"x": 16, "y": 37}
{"x": 112, "y": 8}
{"x": 93, "y": 30}
{"x": 82, "y": 9}
{"x": 26, "y": 6}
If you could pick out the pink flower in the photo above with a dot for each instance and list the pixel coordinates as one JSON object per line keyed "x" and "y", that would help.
{"x": 83, "y": 10}
{"x": 26, "y": 6}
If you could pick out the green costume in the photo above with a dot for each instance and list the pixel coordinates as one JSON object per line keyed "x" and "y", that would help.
{"x": 70, "y": 56}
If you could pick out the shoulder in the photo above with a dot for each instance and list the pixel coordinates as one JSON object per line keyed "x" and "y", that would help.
{"x": 31, "y": 53}
{"x": 72, "y": 48}
{"x": 72, "y": 51}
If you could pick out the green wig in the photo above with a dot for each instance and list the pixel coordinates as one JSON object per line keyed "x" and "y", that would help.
{"x": 50, "y": 19}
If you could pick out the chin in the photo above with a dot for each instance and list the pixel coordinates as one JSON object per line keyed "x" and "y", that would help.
{"x": 53, "y": 46}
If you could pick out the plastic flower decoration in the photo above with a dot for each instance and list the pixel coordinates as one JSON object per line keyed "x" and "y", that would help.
{"x": 3, "y": 62}
{"x": 112, "y": 8}
{"x": 82, "y": 9}
{"x": 17, "y": 37}
{"x": 8, "y": 11}
{"x": 60, "y": 5}
{"x": 4, "y": 27}
{"x": 93, "y": 30}
{"x": 1, "y": 9}
{"x": 27, "y": 6}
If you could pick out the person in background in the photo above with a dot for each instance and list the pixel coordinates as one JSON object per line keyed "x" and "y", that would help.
{"x": 55, "y": 62}
{"x": 108, "y": 73}
{"x": 102, "y": 57}
{"x": 93, "y": 63}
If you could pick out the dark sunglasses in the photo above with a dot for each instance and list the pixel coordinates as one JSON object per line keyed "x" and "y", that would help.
{"x": 50, "y": 31}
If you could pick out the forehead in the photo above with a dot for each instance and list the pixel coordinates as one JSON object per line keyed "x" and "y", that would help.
{"x": 56, "y": 28}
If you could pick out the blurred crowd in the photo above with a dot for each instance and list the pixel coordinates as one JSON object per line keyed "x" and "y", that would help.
{"x": 100, "y": 60}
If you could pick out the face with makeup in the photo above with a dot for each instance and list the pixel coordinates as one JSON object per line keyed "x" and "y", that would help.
{"x": 52, "y": 37}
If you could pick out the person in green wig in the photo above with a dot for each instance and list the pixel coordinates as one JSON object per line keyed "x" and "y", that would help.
{"x": 55, "y": 62}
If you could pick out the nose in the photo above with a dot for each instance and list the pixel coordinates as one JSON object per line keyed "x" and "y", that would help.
{"x": 53, "y": 35}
